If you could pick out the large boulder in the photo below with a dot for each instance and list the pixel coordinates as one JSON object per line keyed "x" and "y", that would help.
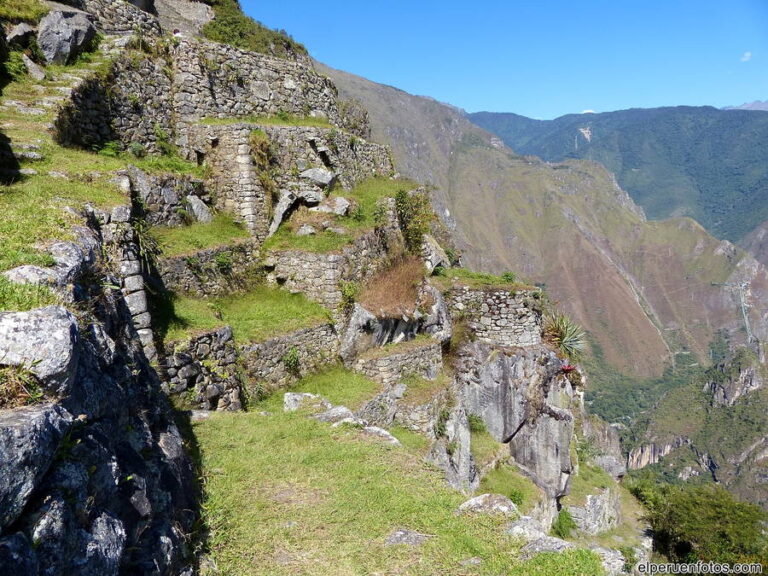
{"x": 65, "y": 33}
{"x": 44, "y": 342}
{"x": 29, "y": 438}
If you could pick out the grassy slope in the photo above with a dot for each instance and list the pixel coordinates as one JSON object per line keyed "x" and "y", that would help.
{"x": 183, "y": 240}
{"x": 322, "y": 500}
{"x": 256, "y": 315}
{"x": 694, "y": 161}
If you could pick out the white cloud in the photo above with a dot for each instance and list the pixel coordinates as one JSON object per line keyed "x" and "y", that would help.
{"x": 746, "y": 57}
{"x": 588, "y": 112}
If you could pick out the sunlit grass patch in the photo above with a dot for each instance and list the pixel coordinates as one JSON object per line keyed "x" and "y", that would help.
{"x": 181, "y": 240}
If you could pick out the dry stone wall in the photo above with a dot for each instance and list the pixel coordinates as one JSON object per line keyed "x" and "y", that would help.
{"x": 204, "y": 370}
{"x": 119, "y": 17}
{"x": 499, "y": 316}
{"x": 277, "y": 362}
{"x": 319, "y": 275}
{"x": 163, "y": 199}
{"x": 220, "y": 81}
{"x": 226, "y": 150}
{"x": 212, "y": 272}
{"x": 424, "y": 359}
{"x": 298, "y": 148}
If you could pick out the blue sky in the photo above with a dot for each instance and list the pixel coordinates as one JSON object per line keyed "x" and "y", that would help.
{"x": 541, "y": 58}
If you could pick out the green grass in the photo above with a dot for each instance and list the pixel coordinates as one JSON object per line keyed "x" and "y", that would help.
{"x": 484, "y": 448}
{"x": 447, "y": 277}
{"x": 569, "y": 563}
{"x": 278, "y": 120}
{"x": 509, "y": 481}
{"x": 589, "y": 480}
{"x": 22, "y": 10}
{"x": 23, "y": 297}
{"x": 322, "y": 242}
{"x": 286, "y": 494}
{"x": 366, "y": 216}
{"x": 254, "y": 316}
{"x": 231, "y": 26}
{"x": 185, "y": 240}
{"x": 420, "y": 390}
{"x": 339, "y": 385}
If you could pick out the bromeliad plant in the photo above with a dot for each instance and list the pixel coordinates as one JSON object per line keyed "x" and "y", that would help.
{"x": 565, "y": 335}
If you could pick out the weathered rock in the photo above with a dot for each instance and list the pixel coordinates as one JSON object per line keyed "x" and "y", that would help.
{"x": 20, "y": 35}
{"x": 526, "y": 528}
{"x": 35, "y": 71}
{"x": 63, "y": 34}
{"x": 489, "y": 504}
{"x": 613, "y": 561}
{"x": 451, "y": 452}
{"x": 336, "y": 205}
{"x": 319, "y": 176}
{"x": 599, "y": 513}
{"x": 525, "y": 401}
{"x": 727, "y": 390}
{"x": 306, "y": 230}
{"x": 544, "y": 544}
{"x": 335, "y": 414}
{"x": 293, "y": 401}
{"x": 433, "y": 254}
{"x": 604, "y": 439}
{"x": 44, "y": 342}
{"x": 17, "y": 553}
{"x": 199, "y": 208}
{"x": 382, "y": 434}
{"x": 29, "y": 438}
{"x": 284, "y": 204}
{"x": 407, "y": 537}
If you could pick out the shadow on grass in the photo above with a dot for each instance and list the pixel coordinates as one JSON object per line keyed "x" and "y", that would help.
{"x": 9, "y": 165}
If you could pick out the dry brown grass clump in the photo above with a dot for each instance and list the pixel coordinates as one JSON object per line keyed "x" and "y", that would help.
{"x": 18, "y": 387}
{"x": 393, "y": 291}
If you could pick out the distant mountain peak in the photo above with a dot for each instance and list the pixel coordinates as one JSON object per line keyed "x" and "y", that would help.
{"x": 756, "y": 105}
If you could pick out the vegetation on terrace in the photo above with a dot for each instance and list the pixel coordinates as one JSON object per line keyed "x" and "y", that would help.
{"x": 256, "y": 315}
{"x": 184, "y": 240}
{"x": 447, "y": 277}
{"x": 364, "y": 216}
{"x": 231, "y": 26}
{"x": 393, "y": 291}
{"x": 280, "y": 119}
{"x": 22, "y": 10}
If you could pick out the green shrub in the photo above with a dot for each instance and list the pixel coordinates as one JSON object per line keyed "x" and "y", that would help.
{"x": 292, "y": 361}
{"x": 563, "y": 525}
{"x": 566, "y": 335}
{"x": 476, "y": 423}
{"x": 441, "y": 425}
{"x": 231, "y": 26}
{"x": 349, "y": 293}
{"x": 415, "y": 213}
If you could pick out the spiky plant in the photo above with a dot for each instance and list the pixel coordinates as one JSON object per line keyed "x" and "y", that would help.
{"x": 567, "y": 336}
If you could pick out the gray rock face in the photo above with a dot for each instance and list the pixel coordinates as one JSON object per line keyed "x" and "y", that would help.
{"x": 433, "y": 254}
{"x": 20, "y": 35}
{"x": 199, "y": 208}
{"x": 612, "y": 560}
{"x": 407, "y": 537}
{"x": 489, "y": 504}
{"x": 604, "y": 438}
{"x": 524, "y": 401}
{"x": 36, "y": 73}
{"x": 29, "y": 438}
{"x": 335, "y": 414}
{"x": 336, "y": 205}
{"x": 43, "y": 341}
{"x": 293, "y": 401}
{"x": 320, "y": 176}
{"x": 544, "y": 544}
{"x": 526, "y": 528}
{"x": 728, "y": 392}
{"x": 64, "y": 34}
{"x": 599, "y": 513}
{"x": 452, "y": 454}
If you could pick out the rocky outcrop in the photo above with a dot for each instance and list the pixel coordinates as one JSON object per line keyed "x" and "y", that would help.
{"x": 451, "y": 450}
{"x": 605, "y": 444}
{"x": 652, "y": 453}
{"x": 97, "y": 481}
{"x": 65, "y": 33}
{"x": 388, "y": 366}
{"x": 525, "y": 401}
{"x": 600, "y": 512}
{"x": 497, "y": 315}
{"x": 731, "y": 385}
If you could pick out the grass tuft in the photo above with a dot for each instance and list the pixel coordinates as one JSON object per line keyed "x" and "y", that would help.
{"x": 22, "y": 10}
{"x": 186, "y": 240}
{"x": 23, "y": 297}
{"x": 254, "y": 316}
{"x": 278, "y": 120}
